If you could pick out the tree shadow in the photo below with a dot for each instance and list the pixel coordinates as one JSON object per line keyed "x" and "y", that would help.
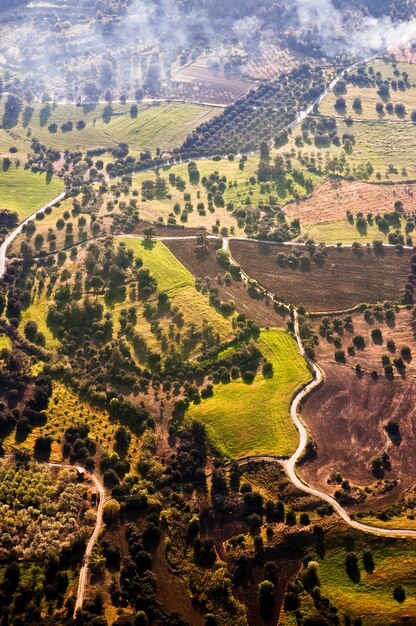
{"x": 11, "y": 113}
{"x": 361, "y": 227}
{"x": 27, "y": 116}
{"x": 352, "y": 570}
{"x": 87, "y": 108}
{"x": 107, "y": 114}
{"x": 44, "y": 115}
{"x": 149, "y": 244}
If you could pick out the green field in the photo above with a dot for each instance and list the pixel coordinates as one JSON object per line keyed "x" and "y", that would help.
{"x": 173, "y": 278}
{"x": 382, "y": 145}
{"x": 341, "y": 231}
{"x": 24, "y": 192}
{"x": 251, "y": 420}
{"x": 37, "y": 312}
{"x": 383, "y": 140}
{"x": 170, "y": 274}
{"x": 164, "y": 126}
{"x": 376, "y": 142}
{"x": 67, "y": 409}
{"x": 372, "y": 597}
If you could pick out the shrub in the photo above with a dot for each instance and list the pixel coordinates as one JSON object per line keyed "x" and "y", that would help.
{"x": 358, "y": 342}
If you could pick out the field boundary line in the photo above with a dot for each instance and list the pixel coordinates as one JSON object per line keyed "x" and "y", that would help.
{"x": 290, "y": 464}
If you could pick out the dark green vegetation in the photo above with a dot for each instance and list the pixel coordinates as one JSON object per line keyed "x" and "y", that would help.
{"x": 260, "y": 116}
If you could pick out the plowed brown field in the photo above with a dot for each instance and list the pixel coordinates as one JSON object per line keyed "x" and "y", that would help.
{"x": 334, "y": 198}
{"x": 346, "y": 417}
{"x": 400, "y": 331}
{"x": 344, "y": 281}
{"x": 258, "y": 310}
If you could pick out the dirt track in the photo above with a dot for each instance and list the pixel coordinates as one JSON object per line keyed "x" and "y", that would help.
{"x": 90, "y": 545}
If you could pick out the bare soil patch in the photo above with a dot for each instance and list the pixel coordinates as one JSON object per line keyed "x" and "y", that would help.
{"x": 400, "y": 331}
{"x": 346, "y": 416}
{"x": 342, "y": 282}
{"x": 172, "y": 590}
{"x": 405, "y": 53}
{"x": 331, "y": 200}
{"x": 163, "y": 230}
{"x": 269, "y": 61}
{"x": 207, "y": 83}
{"x": 259, "y": 310}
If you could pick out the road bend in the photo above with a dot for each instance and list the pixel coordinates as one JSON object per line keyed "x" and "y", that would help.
{"x": 9, "y": 239}
{"x": 290, "y": 464}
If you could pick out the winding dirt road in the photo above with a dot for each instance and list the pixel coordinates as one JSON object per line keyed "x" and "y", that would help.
{"x": 98, "y": 522}
{"x": 290, "y": 464}
{"x": 83, "y": 574}
{"x": 6, "y": 243}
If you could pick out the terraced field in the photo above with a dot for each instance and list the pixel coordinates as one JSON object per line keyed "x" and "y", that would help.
{"x": 164, "y": 126}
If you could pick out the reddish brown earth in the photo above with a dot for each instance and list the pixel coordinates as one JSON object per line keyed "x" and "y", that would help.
{"x": 331, "y": 200}
{"x": 259, "y": 310}
{"x": 346, "y": 416}
{"x": 400, "y": 331}
{"x": 344, "y": 281}
{"x": 172, "y": 591}
{"x": 205, "y": 84}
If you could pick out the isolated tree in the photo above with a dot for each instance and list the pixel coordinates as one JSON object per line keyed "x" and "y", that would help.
{"x": 111, "y": 512}
{"x": 266, "y": 596}
{"x": 399, "y": 593}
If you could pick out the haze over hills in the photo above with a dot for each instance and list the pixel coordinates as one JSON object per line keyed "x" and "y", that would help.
{"x": 207, "y": 318}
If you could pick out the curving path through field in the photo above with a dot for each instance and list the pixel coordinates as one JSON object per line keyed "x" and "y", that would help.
{"x": 82, "y": 582}
{"x": 290, "y": 464}
{"x": 6, "y": 243}
{"x": 302, "y": 114}
{"x": 98, "y": 522}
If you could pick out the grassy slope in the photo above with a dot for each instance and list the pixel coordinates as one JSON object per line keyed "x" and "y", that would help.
{"x": 377, "y": 141}
{"x": 23, "y": 191}
{"x": 237, "y": 194}
{"x": 254, "y": 419}
{"x": 164, "y": 126}
{"x": 371, "y": 598}
{"x": 342, "y": 231}
{"x": 67, "y": 409}
{"x": 174, "y": 278}
{"x": 369, "y": 96}
{"x": 37, "y": 312}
